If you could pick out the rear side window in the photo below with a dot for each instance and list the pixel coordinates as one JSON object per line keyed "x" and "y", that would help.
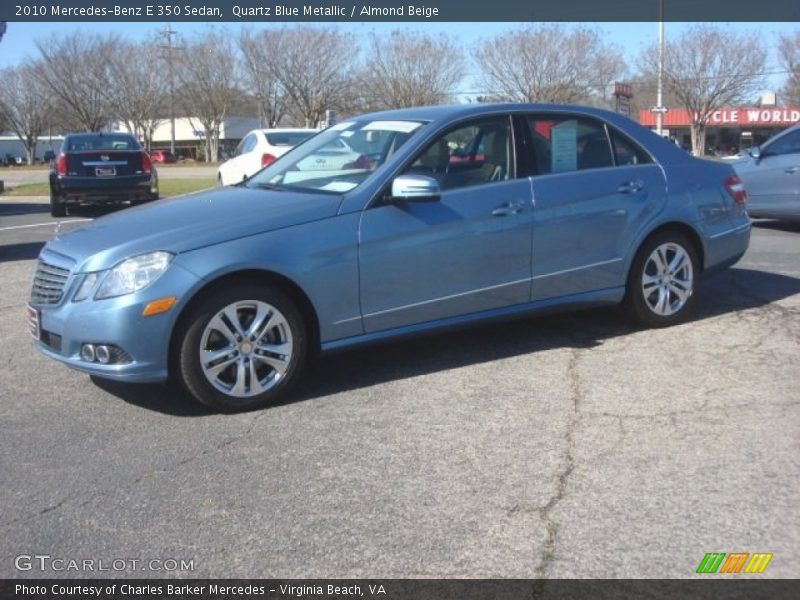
{"x": 563, "y": 143}
{"x": 111, "y": 141}
{"x": 288, "y": 138}
{"x": 247, "y": 144}
{"x": 626, "y": 153}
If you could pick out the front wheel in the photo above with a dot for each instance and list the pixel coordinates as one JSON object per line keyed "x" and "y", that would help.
{"x": 662, "y": 280}
{"x": 242, "y": 348}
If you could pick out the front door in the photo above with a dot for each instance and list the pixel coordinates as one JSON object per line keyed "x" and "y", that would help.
{"x": 466, "y": 252}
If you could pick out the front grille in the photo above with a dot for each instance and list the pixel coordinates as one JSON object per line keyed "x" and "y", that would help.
{"x": 48, "y": 283}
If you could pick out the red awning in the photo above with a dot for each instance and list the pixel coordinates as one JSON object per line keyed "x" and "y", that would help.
{"x": 729, "y": 117}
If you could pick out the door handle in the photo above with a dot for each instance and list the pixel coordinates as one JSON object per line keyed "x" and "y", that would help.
{"x": 791, "y": 170}
{"x": 509, "y": 208}
{"x": 631, "y": 187}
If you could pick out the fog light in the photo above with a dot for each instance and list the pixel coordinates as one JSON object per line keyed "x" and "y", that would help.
{"x": 102, "y": 354}
{"x": 87, "y": 352}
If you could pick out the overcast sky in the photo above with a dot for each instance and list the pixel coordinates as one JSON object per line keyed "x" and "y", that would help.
{"x": 631, "y": 37}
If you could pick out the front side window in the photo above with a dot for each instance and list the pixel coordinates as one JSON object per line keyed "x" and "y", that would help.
{"x": 563, "y": 143}
{"x": 787, "y": 144}
{"x": 472, "y": 154}
{"x": 337, "y": 159}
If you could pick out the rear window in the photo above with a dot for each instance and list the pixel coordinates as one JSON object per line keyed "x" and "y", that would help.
{"x": 288, "y": 138}
{"x": 111, "y": 141}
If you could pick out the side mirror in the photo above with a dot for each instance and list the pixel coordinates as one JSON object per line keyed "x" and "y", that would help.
{"x": 49, "y": 155}
{"x": 415, "y": 188}
{"x": 755, "y": 152}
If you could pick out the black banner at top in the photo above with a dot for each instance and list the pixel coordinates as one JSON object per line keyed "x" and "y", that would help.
{"x": 340, "y": 11}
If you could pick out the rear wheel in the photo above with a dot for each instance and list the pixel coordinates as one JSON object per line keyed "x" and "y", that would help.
{"x": 57, "y": 206}
{"x": 242, "y": 348}
{"x": 662, "y": 280}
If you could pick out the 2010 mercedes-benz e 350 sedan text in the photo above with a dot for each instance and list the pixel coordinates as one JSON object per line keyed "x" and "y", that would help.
{"x": 444, "y": 216}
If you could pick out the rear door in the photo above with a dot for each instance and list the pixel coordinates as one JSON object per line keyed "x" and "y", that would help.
{"x": 593, "y": 189}
{"x": 236, "y": 169}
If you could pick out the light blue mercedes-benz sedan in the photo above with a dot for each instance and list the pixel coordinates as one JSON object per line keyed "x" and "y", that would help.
{"x": 385, "y": 225}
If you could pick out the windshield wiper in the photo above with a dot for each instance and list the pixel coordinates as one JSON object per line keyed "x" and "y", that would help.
{"x": 270, "y": 186}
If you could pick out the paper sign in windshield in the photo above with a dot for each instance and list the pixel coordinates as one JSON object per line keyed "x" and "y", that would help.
{"x": 564, "y": 151}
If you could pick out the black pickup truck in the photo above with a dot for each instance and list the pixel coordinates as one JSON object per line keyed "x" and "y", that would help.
{"x": 101, "y": 168}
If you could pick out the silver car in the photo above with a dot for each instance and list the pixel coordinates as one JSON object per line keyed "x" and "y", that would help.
{"x": 771, "y": 175}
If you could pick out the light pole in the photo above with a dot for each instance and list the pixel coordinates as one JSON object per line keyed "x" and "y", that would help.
{"x": 168, "y": 32}
{"x": 660, "y": 94}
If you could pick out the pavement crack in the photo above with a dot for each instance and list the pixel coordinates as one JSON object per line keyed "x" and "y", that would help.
{"x": 576, "y": 393}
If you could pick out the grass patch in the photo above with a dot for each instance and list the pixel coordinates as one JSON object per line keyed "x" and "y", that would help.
{"x": 176, "y": 187}
{"x": 167, "y": 187}
{"x": 28, "y": 189}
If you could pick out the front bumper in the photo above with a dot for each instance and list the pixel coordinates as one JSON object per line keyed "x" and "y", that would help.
{"x": 66, "y": 326}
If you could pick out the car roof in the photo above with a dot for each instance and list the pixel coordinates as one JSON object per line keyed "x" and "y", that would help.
{"x": 451, "y": 111}
{"x": 96, "y": 133}
{"x": 288, "y": 130}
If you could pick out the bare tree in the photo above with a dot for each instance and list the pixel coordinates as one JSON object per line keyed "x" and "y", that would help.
{"x": 315, "y": 67}
{"x": 707, "y": 68}
{"x": 789, "y": 57}
{"x": 138, "y": 90}
{"x": 410, "y": 69}
{"x": 75, "y": 70}
{"x": 548, "y": 63}
{"x": 258, "y": 78}
{"x": 208, "y": 82}
{"x": 24, "y": 107}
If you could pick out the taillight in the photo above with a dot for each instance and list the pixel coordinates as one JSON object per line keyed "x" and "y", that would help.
{"x": 147, "y": 164}
{"x": 735, "y": 187}
{"x": 61, "y": 165}
{"x": 267, "y": 159}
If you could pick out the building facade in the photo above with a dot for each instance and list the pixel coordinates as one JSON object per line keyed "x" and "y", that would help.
{"x": 729, "y": 130}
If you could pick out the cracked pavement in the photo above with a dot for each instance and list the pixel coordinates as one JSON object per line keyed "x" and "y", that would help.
{"x": 566, "y": 446}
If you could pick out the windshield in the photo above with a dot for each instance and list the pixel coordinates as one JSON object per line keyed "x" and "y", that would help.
{"x": 337, "y": 159}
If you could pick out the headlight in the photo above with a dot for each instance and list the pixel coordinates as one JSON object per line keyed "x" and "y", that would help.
{"x": 134, "y": 274}
{"x": 86, "y": 287}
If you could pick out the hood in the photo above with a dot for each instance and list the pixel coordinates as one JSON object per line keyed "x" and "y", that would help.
{"x": 189, "y": 222}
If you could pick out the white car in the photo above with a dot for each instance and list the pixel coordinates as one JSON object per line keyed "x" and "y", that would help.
{"x": 258, "y": 149}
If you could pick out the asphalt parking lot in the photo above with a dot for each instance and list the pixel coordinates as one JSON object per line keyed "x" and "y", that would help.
{"x": 568, "y": 446}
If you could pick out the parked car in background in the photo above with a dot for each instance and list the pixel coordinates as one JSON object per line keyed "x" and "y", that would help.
{"x": 100, "y": 168}
{"x": 258, "y": 149}
{"x": 771, "y": 174}
{"x": 231, "y": 290}
{"x": 162, "y": 156}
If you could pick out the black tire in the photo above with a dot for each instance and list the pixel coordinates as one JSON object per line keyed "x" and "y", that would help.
{"x": 57, "y": 207}
{"x": 639, "y": 305}
{"x": 191, "y": 336}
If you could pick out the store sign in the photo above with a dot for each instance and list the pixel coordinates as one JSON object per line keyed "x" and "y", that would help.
{"x": 755, "y": 116}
